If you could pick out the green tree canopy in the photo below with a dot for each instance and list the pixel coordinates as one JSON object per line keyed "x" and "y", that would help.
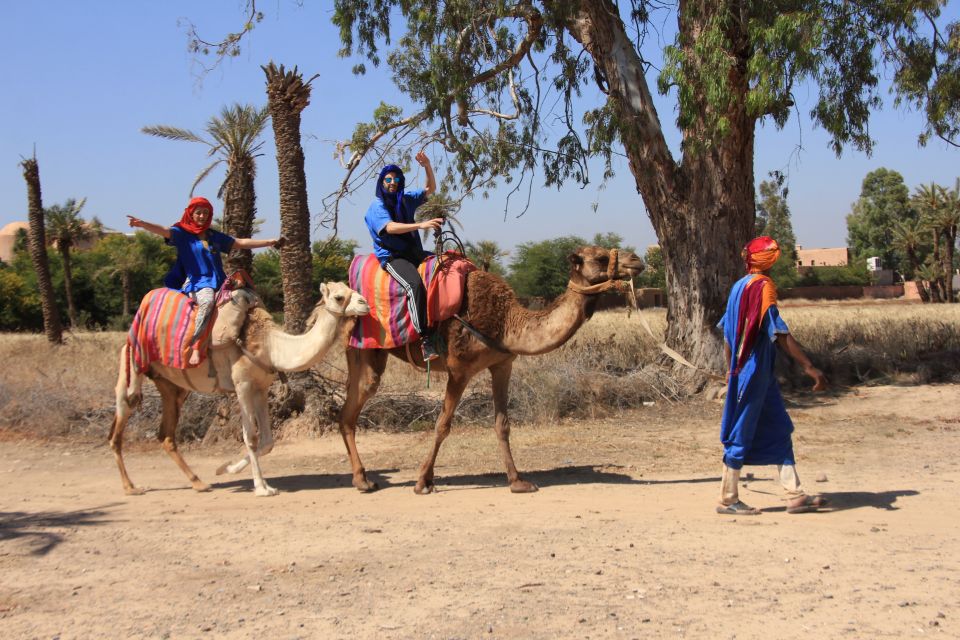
{"x": 884, "y": 202}
{"x": 541, "y": 268}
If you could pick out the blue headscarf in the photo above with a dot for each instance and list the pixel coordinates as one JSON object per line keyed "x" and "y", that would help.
{"x": 394, "y": 206}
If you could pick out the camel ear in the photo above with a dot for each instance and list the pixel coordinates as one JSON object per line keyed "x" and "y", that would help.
{"x": 323, "y": 290}
{"x": 576, "y": 260}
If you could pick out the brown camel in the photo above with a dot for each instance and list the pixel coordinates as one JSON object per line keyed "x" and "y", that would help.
{"x": 249, "y": 371}
{"x": 507, "y": 330}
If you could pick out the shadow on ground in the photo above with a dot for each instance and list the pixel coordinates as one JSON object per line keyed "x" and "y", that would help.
{"x": 41, "y": 531}
{"x": 847, "y": 500}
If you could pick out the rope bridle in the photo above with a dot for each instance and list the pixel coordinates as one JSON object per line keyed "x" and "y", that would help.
{"x": 621, "y": 286}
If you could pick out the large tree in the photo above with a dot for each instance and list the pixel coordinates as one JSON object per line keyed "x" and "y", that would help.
{"x": 233, "y": 138}
{"x": 480, "y": 72}
{"x": 883, "y": 203}
{"x": 288, "y": 95}
{"x": 38, "y": 251}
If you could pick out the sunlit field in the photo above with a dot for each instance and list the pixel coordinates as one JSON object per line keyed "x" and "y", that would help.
{"x": 609, "y": 366}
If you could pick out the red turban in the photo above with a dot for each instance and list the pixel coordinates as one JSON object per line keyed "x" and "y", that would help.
{"x": 760, "y": 253}
{"x": 187, "y": 223}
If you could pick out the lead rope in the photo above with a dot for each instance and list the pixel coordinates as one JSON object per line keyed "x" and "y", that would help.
{"x": 632, "y": 298}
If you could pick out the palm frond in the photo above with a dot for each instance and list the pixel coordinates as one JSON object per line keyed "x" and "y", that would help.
{"x": 203, "y": 174}
{"x": 173, "y": 133}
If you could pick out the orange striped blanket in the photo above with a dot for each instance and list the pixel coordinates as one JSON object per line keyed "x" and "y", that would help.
{"x": 388, "y": 324}
{"x": 162, "y": 329}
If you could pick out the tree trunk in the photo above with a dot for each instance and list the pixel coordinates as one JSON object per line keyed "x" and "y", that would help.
{"x": 288, "y": 95}
{"x": 703, "y": 209}
{"x": 936, "y": 285}
{"x": 68, "y": 283}
{"x": 950, "y": 235}
{"x": 127, "y": 289}
{"x": 38, "y": 252}
{"x": 239, "y": 210}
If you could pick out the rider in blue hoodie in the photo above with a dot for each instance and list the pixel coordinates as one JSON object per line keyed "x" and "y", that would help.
{"x": 396, "y": 239}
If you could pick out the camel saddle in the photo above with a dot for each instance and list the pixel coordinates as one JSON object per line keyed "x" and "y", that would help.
{"x": 388, "y": 324}
{"x": 165, "y": 322}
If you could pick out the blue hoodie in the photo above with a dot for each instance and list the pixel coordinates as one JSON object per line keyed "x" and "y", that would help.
{"x": 398, "y": 208}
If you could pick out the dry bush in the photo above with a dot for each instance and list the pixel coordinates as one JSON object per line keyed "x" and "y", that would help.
{"x": 52, "y": 391}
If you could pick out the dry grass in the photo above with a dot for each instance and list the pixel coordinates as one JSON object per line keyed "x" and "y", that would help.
{"x": 51, "y": 391}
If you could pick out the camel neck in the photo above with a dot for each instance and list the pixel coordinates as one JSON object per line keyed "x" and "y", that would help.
{"x": 287, "y": 352}
{"x": 534, "y": 332}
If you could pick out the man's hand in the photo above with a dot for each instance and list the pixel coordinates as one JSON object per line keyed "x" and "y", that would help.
{"x": 280, "y": 242}
{"x": 133, "y": 221}
{"x": 819, "y": 380}
{"x": 422, "y": 159}
{"x": 433, "y": 224}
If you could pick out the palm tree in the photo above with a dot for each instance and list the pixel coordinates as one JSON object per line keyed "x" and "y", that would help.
{"x": 38, "y": 251}
{"x": 930, "y": 201}
{"x": 485, "y": 254}
{"x": 126, "y": 258}
{"x": 947, "y": 219}
{"x": 908, "y": 238}
{"x": 232, "y": 138}
{"x": 288, "y": 95}
{"x": 67, "y": 229}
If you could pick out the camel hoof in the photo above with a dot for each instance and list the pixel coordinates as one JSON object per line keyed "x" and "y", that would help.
{"x": 522, "y": 486}
{"x": 222, "y": 469}
{"x": 423, "y": 489}
{"x": 265, "y": 491}
{"x": 201, "y": 487}
{"x": 135, "y": 491}
{"x": 365, "y": 486}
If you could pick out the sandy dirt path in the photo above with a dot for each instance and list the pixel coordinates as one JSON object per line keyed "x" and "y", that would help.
{"x": 620, "y": 542}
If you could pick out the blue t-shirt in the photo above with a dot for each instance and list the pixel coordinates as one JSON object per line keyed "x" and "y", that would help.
{"x": 198, "y": 261}
{"x": 386, "y": 245}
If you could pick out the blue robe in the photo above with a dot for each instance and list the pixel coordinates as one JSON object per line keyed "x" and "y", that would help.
{"x": 755, "y": 428}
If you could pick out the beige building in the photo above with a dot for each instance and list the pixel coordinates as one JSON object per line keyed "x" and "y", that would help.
{"x": 834, "y": 257}
{"x": 8, "y": 235}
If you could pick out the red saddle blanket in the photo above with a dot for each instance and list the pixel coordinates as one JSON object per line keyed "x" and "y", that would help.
{"x": 162, "y": 329}
{"x": 388, "y": 324}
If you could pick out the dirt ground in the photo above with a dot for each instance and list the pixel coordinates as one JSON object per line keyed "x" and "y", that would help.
{"x": 621, "y": 541}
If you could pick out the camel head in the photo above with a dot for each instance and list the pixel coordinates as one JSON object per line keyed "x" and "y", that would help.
{"x": 341, "y": 300}
{"x": 595, "y": 265}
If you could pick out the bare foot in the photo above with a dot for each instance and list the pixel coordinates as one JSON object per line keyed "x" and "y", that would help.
{"x": 194, "y": 358}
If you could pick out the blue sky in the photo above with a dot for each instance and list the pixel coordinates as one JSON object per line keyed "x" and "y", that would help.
{"x": 82, "y": 78}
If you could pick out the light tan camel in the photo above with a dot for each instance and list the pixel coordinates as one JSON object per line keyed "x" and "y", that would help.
{"x": 252, "y": 370}
{"x": 508, "y": 330}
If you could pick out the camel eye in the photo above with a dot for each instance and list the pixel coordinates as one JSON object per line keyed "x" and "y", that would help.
{"x": 338, "y": 298}
{"x": 604, "y": 260}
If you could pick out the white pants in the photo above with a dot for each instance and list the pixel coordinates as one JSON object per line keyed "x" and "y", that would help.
{"x": 730, "y": 482}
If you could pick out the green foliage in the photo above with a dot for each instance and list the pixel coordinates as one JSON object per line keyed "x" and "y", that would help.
{"x": 655, "y": 274}
{"x": 19, "y": 304}
{"x": 267, "y": 278}
{"x": 487, "y": 254}
{"x": 852, "y": 274}
{"x": 542, "y": 268}
{"x": 774, "y": 214}
{"x": 884, "y": 202}
{"x": 331, "y": 260}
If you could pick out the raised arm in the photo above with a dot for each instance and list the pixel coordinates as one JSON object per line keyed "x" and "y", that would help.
{"x": 250, "y": 243}
{"x": 148, "y": 226}
{"x": 424, "y": 161}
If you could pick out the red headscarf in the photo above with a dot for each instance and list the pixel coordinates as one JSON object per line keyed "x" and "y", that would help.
{"x": 760, "y": 253}
{"x": 187, "y": 222}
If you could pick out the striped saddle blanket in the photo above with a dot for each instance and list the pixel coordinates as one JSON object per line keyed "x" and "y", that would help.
{"x": 388, "y": 324}
{"x": 162, "y": 329}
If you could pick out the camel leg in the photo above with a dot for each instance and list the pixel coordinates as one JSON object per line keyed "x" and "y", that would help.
{"x": 251, "y": 400}
{"x": 455, "y": 387}
{"x": 364, "y": 370}
{"x": 500, "y": 373}
{"x": 173, "y": 398}
{"x": 126, "y": 402}
{"x": 264, "y": 447}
